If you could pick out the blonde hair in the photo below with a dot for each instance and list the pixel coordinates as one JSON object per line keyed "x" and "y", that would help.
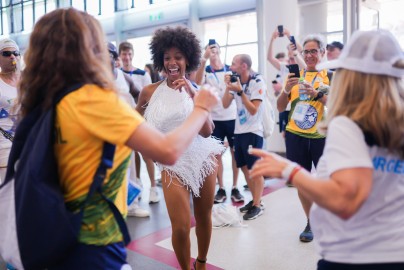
{"x": 374, "y": 102}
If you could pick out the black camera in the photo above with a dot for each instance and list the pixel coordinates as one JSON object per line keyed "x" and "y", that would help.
{"x": 233, "y": 77}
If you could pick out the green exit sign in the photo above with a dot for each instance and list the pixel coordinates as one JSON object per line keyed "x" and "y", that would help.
{"x": 156, "y": 16}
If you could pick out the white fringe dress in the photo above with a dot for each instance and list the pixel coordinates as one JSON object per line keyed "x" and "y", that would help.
{"x": 167, "y": 109}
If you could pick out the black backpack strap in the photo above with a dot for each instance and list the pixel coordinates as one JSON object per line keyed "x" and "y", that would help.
{"x": 68, "y": 90}
{"x": 106, "y": 162}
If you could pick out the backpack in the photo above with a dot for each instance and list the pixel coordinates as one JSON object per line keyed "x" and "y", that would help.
{"x": 36, "y": 229}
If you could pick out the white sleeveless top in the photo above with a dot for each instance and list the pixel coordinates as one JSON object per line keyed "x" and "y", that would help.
{"x": 167, "y": 109}
{"x": 8, "y": 95}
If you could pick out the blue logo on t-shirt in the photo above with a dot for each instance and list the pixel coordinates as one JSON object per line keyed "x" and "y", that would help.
{"x": 309, "y": 120}
{"x": 388, "y": 165}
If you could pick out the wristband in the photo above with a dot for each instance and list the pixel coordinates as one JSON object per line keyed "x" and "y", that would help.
{"x": 239, "y": 93}
{"x": 286, "y": 92}
{"x": 292, "y": 175}
{"x": 288, "y": 170}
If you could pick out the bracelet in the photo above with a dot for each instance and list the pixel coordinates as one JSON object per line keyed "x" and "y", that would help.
{"x": 288, "y": 170}
{"x": 286, "y": 92}
{"x": 201, "y": 107}
{"x": 294, "y": 172}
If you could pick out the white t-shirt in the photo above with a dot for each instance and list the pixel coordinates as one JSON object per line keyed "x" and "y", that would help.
{"x": 8, "y": 94}
{"x": 140, "y": 78}
{"x": 375, "y": 234}
{"x": 283, "y": 72}
{"x": 245, "y": 122}
{"x": 216, "y": 79}
{"x": 123, "y": 88}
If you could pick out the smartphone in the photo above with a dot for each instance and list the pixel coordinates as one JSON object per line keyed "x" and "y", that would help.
{"x": 280, "y": 30}
{"x": 292, "y": 40}
{"x": 212, "y": 42}
{"x": 295, "y": 70}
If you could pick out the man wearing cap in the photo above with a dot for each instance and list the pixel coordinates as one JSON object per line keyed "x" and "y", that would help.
{"x": 9, "y": 77}
{"x": 334, "y": 50}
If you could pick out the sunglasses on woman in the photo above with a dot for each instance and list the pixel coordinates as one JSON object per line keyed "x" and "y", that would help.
{"x": 9, "y": 53}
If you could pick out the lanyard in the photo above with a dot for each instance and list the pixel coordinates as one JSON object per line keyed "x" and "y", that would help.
{"x": 314, "y": 79}
{"x": 246, "y": 85}
{"x": 214, "y": 73}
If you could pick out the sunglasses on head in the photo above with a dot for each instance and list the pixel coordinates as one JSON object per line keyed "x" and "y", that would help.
{"x": 9, "y": 53}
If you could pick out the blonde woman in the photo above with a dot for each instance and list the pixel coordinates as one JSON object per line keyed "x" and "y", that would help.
{"x": 358, "y": 196}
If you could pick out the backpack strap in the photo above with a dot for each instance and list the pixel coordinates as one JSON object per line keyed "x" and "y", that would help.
{"x": 107, "y": 160}
{"x": 106, "y": 163}
{"x": 59, "y": 96}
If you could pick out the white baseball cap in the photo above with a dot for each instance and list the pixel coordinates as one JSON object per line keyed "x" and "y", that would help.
{"x": 374, "y": 52}
{"x": 8, "y": 43}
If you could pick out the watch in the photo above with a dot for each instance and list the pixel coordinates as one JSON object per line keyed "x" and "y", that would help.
{"x": 319, "y": 96}
{"x": 239, "y": 93}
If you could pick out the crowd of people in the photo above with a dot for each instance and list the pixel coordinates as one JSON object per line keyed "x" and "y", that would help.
{"x": 180, "y": 115}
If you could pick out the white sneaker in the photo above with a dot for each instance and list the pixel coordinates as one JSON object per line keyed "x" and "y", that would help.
{"x": 154, "y": 195}
{"x": 134, "y": 210}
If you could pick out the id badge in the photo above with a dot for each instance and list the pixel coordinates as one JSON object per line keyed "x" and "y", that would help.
{"x": 242, "y": 116}
{"x": 300, "y": 111}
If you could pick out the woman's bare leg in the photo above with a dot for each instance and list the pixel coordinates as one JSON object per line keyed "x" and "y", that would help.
{"x": 178, "y": 207}
{"x": 203, "y": 217}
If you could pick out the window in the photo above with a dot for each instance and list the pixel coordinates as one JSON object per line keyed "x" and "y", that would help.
{"x": 141, "y": 52}
{"x": 235, "y": 34}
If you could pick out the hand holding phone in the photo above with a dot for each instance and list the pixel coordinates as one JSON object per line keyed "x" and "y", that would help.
{"x": 292, "y": 40}
{"x": 294, "y": 68}
{"x": 280, "y": 30}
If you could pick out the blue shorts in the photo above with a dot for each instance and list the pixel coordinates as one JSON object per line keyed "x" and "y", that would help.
{"x": 224, "y": 129}
{"x": 303, "y": 151}
{"x": 242, "y": 142}
{"x": 93, "y": 257}
{"x": 283, "y": 120}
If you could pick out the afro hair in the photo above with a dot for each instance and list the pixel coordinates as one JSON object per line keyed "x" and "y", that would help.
{"x": 179, "y": 37}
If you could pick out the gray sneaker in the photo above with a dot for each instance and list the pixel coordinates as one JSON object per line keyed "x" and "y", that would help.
{"x": 220, "y": 195}
{"x": 247, "y": 207}
{"x": 236, "y": 195}
{"x": 307, "y": 235}
{"x": 253, "y": 213}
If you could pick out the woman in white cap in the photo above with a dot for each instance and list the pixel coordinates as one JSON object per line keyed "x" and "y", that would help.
{"x": 358, "y": 194}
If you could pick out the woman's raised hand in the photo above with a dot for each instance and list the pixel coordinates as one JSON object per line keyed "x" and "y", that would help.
{"x": 207, "y": 97}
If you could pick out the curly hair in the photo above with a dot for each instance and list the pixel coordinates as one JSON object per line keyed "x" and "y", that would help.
{"x": 66, "y": 46}
{"x": 179, "y": 37}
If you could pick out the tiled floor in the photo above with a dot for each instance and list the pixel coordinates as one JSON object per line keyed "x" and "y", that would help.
{"x": 269, "y": 242}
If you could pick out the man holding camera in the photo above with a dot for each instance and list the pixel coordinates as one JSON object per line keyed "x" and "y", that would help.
{"x": 223, "y": 118}
{"x": 248, "y": 90}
